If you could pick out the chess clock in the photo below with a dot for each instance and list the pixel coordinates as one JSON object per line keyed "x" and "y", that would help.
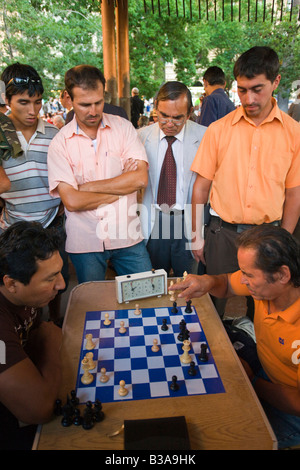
{"x": 141, "y": 285}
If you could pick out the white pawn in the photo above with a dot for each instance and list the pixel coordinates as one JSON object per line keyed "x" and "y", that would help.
{"x": 107, "y": 321}
{"x": 122, "y": 390}
{"x": 155, "y": 347}
{"x": 185, "y": 358}
{"x": 185, "y": 275}
{"x": 137, "y": 311}
{"x": 122, "y": 328}
{"x": 103, "y": 376}
{"x": 89, "y": 342}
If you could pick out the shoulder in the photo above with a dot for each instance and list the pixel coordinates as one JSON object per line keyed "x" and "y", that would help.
{"x": 148, "y": 132}
{"x": 50, "y": 130}
{"x": 193, "y": 128}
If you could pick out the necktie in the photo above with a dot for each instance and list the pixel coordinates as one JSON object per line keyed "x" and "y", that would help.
{"x": 167, "y": 183}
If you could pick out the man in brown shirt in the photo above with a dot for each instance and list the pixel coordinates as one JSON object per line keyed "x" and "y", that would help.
{"x": 30, "y": 277}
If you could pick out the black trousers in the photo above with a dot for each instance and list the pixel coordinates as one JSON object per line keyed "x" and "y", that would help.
{"x": 168, "y": 246}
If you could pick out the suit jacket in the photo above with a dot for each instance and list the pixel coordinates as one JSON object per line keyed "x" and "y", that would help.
{"x": 149, "y": 136}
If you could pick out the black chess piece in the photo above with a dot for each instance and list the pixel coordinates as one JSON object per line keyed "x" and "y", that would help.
{"x": 183, "y": 329}
{"x": 58, "y": 407}
{"x": 188, "y": 308}
{"x": 98, "y": 413}
{"x": 67, "y": 412}
{"x": 164, "y": 325}
{"x": 77, "y": 420}
{"x": 174, "y": 385}
{"x": 203, "y": 354}
{"x": 74, "y": 400}
{"x": 174, "y": 309}
{"x": 88, "y": 418}
{"x": 192, "y": 369}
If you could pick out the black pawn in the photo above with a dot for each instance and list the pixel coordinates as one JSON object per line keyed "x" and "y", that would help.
{"x": 77, "y": 420}
{"x": 98, "y": 413}
{"x": 164, "y": 325}
{"x": 188, "y": 308}
{"x": 74, "y": 400}
{"x": 174, "y": 309}
{"x": 174, "y": 385}
{"x": 58, "y": 407}
{"x": 67, "y": 412}
{"x": 192, "y": 370}
{"x": 88, "y": 419}
{"x": 203, "y": 354}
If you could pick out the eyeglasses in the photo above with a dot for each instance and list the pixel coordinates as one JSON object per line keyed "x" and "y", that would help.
{"x": 175, "y": 121}
{"x": 17, "y": 81}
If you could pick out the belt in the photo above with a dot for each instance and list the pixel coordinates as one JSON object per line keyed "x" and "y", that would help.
{"x": 239, "y": 227}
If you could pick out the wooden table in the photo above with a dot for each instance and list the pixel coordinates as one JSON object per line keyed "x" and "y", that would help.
{"x": 231, "y": 420}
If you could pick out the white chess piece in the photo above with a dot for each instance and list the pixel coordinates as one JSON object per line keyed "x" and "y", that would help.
{"x": 122, "y": 390}
{"x": 173, "y": 296}
{"x": 103, "y": 377}
{"x": 185, "y": 358}
{"x": 87, "y": 377}
{"x": 122, "y": 328}
{"x": 137, "y": 311}
{"x": 89, "y": 342}
{"x": 107, "y": 321}
{"x": 155, "y": 347}
{"x": 90, "y": 358}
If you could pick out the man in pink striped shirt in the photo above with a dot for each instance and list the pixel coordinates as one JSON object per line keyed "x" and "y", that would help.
{"x": 96, "y": 165}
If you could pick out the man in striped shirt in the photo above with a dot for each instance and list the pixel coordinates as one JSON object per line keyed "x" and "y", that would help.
{"x": 28, "y": 195}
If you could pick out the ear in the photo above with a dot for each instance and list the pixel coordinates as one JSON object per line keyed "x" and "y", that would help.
{"x": 276, "y": 82}
{"x": 284, "y": 274}
{"x": 9, "y": 283}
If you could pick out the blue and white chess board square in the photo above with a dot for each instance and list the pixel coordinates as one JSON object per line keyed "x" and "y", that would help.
{"x": 129, "y": 356}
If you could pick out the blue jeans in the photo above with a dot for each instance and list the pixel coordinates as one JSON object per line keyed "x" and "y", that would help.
{"x": 92, "y": 266}
{"x": 285, "y": 426}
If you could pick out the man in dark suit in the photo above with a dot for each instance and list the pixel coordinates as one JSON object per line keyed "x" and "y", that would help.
{"x": 137, "y": 106}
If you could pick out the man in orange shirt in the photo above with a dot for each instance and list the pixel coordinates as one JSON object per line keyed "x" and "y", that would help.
{"x": 248, "y": 162}
{"x": 269, "y": 260}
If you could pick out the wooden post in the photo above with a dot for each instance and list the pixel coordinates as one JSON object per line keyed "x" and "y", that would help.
{"x": 122, "y": 33}
{"x": 109, "y": 48}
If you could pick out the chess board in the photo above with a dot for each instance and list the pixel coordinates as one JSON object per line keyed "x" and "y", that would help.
{"x": 129, "y": 356}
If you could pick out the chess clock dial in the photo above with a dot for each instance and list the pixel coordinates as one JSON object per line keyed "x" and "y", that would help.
{"x": 141, "y": 285}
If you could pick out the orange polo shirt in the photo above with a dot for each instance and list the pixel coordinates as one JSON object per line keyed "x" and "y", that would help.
{"x": 277, "y": 337}
{"x": 250, "y": 166}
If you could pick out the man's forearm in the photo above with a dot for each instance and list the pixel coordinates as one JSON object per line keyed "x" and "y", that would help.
{"x": 291, "y": 209}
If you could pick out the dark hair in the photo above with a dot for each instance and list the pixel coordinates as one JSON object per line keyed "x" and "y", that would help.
{"x": 172, "y": 91}
{"x": 256, "y": 61}
{"x": 21, "y": 245}
{"x": 33, "y": 86}
{"x": 215, "y": 76}
{"x": 83, "y": 76}
{"x": 274, "y": 247}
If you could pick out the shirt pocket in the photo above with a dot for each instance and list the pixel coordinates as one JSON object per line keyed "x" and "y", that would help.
{"x": 112, "y": 165}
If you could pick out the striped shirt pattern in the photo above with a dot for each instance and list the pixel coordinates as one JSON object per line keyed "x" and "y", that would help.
{"x": 29, "y": 198}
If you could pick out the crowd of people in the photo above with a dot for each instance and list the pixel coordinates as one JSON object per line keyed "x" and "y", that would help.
{"x": 218, "y": 197}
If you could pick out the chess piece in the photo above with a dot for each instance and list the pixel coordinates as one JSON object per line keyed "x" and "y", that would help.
{"x": 203, "y": 354}
{"x": 155, "y": 347}
{"x": 74, "y": 399}
{"x": 137, "y": 311}
{"x": 103, "y": 377}
{"x": 88, "y": 418}
{"x": 89, "y": 342}
{"x": 172, "y": 293}
{"x": 90, "y": 358}
{"x": 188, "y": 308}
{"x": 122, "y": 328}
{"x": 164, "y": 325}
{"x": 87, "y": 377}
{"x": 122, "y": 390}
{"x": 107, "y": 321}
{"x": 58, "y": 407}
{"x": 77, "y": 420}
{"x": 67, "y": 412}
{"x": 174, "y": 309}
{"x": 185, "y": 358}
{"x": 174, "y": 385}
{"x": 192, "y": 370}
{"x": 98, "y": 413}
{"x": 184, "y": 275}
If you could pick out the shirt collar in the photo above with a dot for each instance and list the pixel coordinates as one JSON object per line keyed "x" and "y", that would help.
{"x": 178, "y": 136}
{"x": 290, "y": 315}
{"x": 274, "y": 114}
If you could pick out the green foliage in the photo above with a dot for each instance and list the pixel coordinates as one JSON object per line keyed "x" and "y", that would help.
{"x": 54, "y": 35}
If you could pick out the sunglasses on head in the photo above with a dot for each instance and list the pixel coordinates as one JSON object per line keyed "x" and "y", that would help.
{"x": 17, "y": 81}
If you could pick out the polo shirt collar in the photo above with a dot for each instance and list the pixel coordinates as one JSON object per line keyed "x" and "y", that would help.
{"x": 274, "y": 114}
{"x": 290, "y": 315}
